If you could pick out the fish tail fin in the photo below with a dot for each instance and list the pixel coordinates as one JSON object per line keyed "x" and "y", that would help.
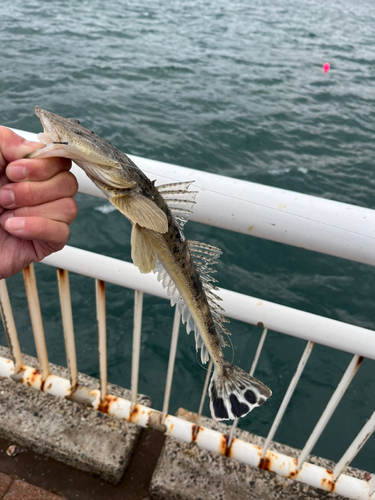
{"x": 234, "y": 393}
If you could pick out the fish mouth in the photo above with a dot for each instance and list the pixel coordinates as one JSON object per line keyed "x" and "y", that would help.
{"x": 49, "y": 135}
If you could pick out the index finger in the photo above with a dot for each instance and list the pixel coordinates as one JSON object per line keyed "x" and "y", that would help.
{"x": 14, "y": 147}
{"x": 36, "y": 169}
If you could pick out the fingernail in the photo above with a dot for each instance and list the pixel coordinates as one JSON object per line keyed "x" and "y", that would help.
{"x": 14, "y": 224}
{"x": 8, "y": 214}
{"x": 6, "y": 198}
{"x": 17, "y": 173}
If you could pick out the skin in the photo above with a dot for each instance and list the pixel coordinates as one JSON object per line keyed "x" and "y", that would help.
{"x": 36, "y": 204}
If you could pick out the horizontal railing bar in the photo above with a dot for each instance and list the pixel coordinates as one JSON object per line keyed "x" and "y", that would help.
{"x": 283, "y": 319}
{"x": 288, "y": 217}
{"x": 205, "y": 438}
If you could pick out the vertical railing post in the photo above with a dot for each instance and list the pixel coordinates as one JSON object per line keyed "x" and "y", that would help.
{"x": 102, "y": 336}
{"x": 171, "y": 362}
{"x": 355, "y": 447}
{"x": 136, "y": 349}
{"x": 372, "y": 486}
{"x": 36, "y": 320}
{"x": 293, "y": 383}
{"x": 204, "y": 393}
{"x": 10, "y": 326}
{"x": 67, "y": 320}
{"x": 330, "y": 408}
{"x": 251, "y": 373}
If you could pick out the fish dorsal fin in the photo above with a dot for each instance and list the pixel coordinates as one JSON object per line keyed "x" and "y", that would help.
{"x": 180, "y": 201}
{"x": 141, "y": 210}
{"x": 202, "y": 255}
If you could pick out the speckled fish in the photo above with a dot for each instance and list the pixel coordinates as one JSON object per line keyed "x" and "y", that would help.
{"x": 157, "y": 215}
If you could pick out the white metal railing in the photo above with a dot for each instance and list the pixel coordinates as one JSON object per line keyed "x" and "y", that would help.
{"x": 337, "y": 229}
{"x": 211, "y": 440}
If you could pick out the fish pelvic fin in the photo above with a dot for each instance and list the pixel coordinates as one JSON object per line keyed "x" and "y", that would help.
{"x": 141, "y": 210}
{"x": 234, "y": 393}
{"x": 143, "y": 253}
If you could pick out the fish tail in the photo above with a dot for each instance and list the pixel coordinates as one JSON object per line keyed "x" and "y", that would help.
{"x": 234, "y": 393}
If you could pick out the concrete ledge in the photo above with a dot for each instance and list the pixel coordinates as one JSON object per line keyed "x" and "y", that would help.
{"x": 185, "y": 472}
{"x": 66, "y": 431}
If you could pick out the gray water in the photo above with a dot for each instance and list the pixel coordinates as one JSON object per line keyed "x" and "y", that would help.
{"x": 235, "y": 88}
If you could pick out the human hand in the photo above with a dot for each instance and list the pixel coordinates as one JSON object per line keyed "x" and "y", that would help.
{"x": 36, "y": 204}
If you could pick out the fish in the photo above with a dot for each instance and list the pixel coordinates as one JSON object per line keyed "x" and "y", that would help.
{"x": 184, "y": 267}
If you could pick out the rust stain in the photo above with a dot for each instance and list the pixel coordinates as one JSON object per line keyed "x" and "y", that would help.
{"x": 259, "y": 450}
{"x": 36, "y": 378}
{"x": 250, "y": 228}
{"x": 49, "y": 386}
{"x": 224, "y": 449}
{"x": 195, "y": 431}
{"x": 294, "y": 473}
{"x": 223, "y": 444}
{"x": 259, "y": 303}
{"x": 328, "y": 483}
{"x": 101, "y": 285}
{"x": 105, "y": 406}
{"x": 359, "y": 362}
{"x": 33, "y": 378}
{"x": 267, "y": 462}
{"x": 135, "y": 412}
{"x": 61, "y": 272}
{"x": 260, "y": 323}
{"x": 9, "y": 361}
{"x": 264, "y": 463}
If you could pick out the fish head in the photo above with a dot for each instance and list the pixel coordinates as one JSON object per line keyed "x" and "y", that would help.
{"x": 67, "y": 138}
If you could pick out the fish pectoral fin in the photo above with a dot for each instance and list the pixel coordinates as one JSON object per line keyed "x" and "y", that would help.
{"x": 141, "y": 210}
{"x": 143, "y": 254}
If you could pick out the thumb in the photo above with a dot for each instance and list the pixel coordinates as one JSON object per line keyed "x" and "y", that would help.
{"x": 13, "y": 147}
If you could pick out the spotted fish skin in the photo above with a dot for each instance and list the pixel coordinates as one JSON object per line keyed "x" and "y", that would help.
{"x": 157, "y": 215}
